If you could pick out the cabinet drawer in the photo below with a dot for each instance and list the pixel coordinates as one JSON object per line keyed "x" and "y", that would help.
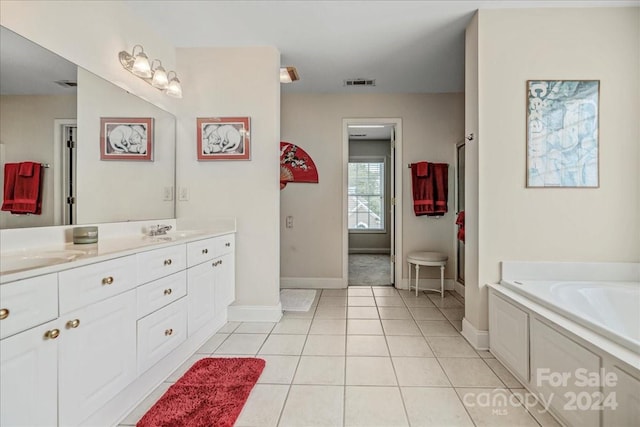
{"x": 226, "y": 244}
{"x": 157, "y": 294}
{"x": 208, "y": 249}
{"x": 92, "y": 283}
{"x": 201, "y": 251}
{"x": 161, "y": 332}
{"x": 28, "y": 303}
{"x": 158, "y": 263}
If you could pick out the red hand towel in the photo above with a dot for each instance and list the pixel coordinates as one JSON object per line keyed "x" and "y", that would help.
{"x": 26, "y": 169}
{"x": 441, "y": 191}
{"x": 423, "y": 169}
{"x": 10, "y": 175}
{"x": 27, "y": 194}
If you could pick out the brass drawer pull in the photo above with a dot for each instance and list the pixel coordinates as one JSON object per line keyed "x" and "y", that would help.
{"x": 52, "y": 334}
{"x": 227, "y": 244}
{"x": 72, "y": 324}
{"x": 167, "y": 261}
{"x": 168, "y": 291}
{"x": 107, "y": 280}
{"x": 205, "y": 251}
{"x": 168, "y": 332}
{"x": 4, "y": 313}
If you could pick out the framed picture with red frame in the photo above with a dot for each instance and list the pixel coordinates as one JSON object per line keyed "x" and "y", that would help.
{"x": 224, "y": 138}
{"x": 126, "y": 138}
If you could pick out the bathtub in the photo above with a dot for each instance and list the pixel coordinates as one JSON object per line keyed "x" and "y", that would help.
{"x": 612, "y": 309}
{"x": 568, "y": 319}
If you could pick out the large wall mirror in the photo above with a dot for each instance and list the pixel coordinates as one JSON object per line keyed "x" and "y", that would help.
{"x": 50, "y": 113}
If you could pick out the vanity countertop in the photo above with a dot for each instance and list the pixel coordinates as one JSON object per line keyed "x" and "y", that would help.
{"x": 22, "y": 264}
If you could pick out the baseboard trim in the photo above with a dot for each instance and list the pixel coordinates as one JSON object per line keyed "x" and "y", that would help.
{"x": 356, "y": 251}
{"x": 312, "y": 283}
{"x": 477, "y": 338}
{"x": 255, "y": 313}
{"x": 459, "y": 288}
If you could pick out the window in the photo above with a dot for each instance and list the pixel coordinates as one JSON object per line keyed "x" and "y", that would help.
{"x": 366, "y": 195}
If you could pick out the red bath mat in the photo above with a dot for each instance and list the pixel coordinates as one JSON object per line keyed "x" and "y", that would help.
{"x": 211, "y": 394}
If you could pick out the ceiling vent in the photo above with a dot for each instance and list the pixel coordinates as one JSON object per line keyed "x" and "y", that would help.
{"x": 360, "y": 82}
{"x": 66, "y": 83}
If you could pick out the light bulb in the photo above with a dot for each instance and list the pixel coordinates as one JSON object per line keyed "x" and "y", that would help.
{"x": 141, "y": 67}
{"x": 174, "y": 89}
{"x": 160, "y": 80}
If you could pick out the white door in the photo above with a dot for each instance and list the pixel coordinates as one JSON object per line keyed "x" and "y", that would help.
{"x": 200, "y": 295}
{"x": 29, "y": 378}
{"x": 97, "y": 356}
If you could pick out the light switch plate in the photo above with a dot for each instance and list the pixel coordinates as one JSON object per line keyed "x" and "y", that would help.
{"x": 184, "y": 194}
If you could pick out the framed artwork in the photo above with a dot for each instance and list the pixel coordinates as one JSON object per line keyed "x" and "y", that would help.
{"x": 562, "y": 133}
{"x": 126, "y": 138}
{"x": 224, "y": 138}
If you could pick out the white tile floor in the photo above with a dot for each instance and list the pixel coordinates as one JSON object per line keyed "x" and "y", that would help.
{"x": 367, "y": 356}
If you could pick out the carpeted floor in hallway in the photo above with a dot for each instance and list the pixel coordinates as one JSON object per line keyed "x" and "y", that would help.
{"x": 369, "y": 269}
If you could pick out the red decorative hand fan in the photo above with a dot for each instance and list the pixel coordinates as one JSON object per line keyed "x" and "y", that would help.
{"x": 296, "y": 165}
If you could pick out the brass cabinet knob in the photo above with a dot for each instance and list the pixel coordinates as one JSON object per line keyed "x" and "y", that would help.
{"x": 107, "y": 280}
{"x": 227, "y": 244}
{"x": 167, "y": 261}
{"x": 73, "y": 323}
{"x": 52, "y": 334}
{"x": 168, "y": 291}
{"x": 168, "y": 332}
{"x": 4, "y": 313}
{"x": 205, "y": 251}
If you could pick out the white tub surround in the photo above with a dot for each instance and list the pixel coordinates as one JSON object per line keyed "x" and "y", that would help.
{"x": 554, "y": 325}
{"x": 83, "y": 340}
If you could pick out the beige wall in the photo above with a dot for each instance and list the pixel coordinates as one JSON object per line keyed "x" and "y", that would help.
{"x": 516, "y": 223}
{"x": 220, "y": 82}
{"x": 27, "y": 134}
{"x": 432, "y": 124}
{"x": 138, "y": 186}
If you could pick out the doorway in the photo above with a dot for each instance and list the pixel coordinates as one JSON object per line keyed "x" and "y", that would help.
{"x": 371, "y": 185}
{"x": 64, "y": 143}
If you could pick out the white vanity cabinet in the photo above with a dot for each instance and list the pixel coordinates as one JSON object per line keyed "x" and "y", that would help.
{"x": 29, "y": 377}
{"x": 210, "y": 279}
{"x": 82, "y": 345}
{"x": 97, "y": 356}
{"x": 29, "y": 352}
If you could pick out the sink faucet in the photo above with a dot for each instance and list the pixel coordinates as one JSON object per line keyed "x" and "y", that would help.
{"x": 157, "y": 230}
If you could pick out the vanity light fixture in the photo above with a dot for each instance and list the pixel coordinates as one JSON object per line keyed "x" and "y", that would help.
{"x": 173, "y": 87}
{"x": 155, "y": 75}
{"x": 289, "y": 75}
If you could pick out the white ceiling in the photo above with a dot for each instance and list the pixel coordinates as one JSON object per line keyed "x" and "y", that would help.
{"x": 406, "y": 46}
{"x": 29, "y": 69}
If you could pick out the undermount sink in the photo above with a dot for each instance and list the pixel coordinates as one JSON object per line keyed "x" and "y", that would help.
{"x": 25, "y": 260}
